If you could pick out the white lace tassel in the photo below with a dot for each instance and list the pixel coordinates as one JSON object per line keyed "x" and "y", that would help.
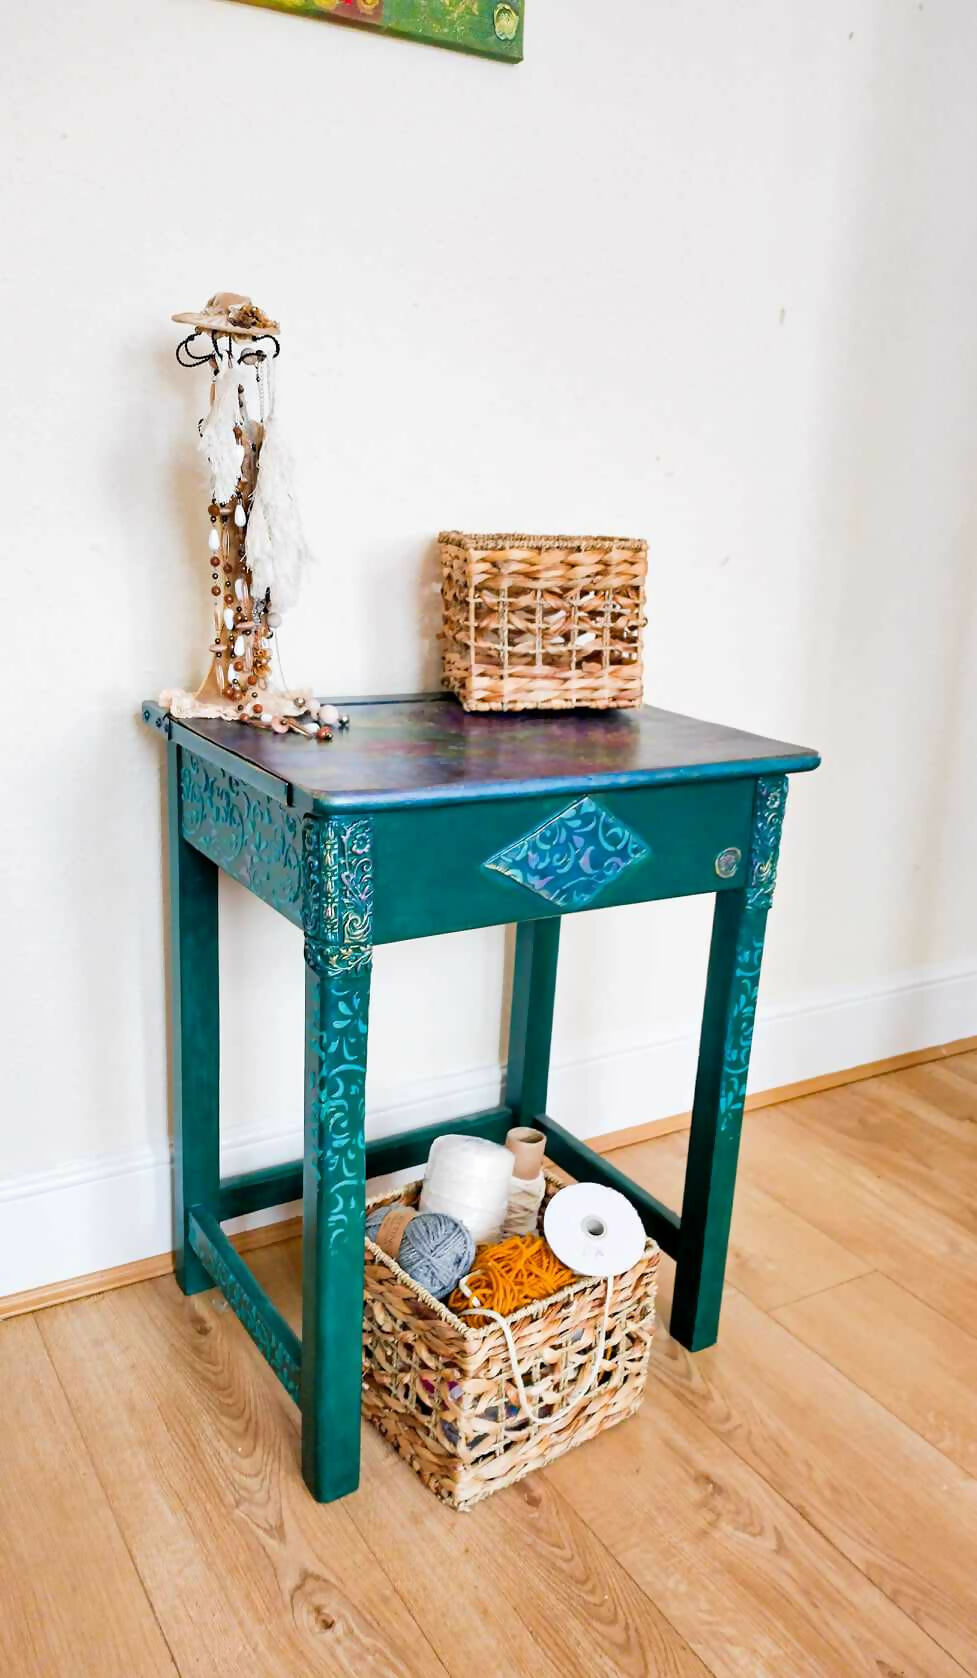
{"x": 277, "y": 552}
{"x": 225, "y": 455}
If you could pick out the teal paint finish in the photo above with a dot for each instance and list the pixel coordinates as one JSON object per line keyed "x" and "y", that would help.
{"x": 571, "y": 858}
{"x": 275, "y": 1340}
{"x": 256, "y": 1191}
{"x": 732, "y": 985}
{"x": 336, "y": 1024}
{"x": 768, "y": 821}
{"x": 404, "y": 856}
{"x": 337, "y": 914}
{"x": 426, "y": 868}
{"x": 250, "y": 836}
{"x": 531, "y": 1018}
{"x": 271, "y": 785}
{"x": 195, "y": 1031}
{"x": 157, "y": 718}
{"x": 431, "y": 878}
{"x": 249, "y": 774}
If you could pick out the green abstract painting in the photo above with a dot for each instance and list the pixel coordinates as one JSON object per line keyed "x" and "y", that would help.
{"x": 491, "y": 27}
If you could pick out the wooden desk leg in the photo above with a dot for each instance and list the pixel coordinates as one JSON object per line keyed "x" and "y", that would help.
{"x": 735, "y": 958}
{"x": 195, "y": 1024}
{"x": 531, "y": 1017}
{"x": 339, "y": 960}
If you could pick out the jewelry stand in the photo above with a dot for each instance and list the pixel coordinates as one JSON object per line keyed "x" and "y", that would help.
{"x": 238, "y": 686}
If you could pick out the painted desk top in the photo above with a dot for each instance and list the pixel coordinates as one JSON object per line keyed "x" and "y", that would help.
{"x": 427, "y": 750}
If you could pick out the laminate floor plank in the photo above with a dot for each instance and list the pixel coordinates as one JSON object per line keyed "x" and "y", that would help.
{"x": 754, "y": 1588}
{"x": 871, "y": 1131}
{"x": 942, "y": 1093}
{"x": 197, "y": 1447}
{"x": 963, "y": 1066}
{"x": 920, "y": 1366}
{"x": 880, "y": 1494}
{"x": 519, "y": 1584}
{"x": 71, "y": 1600}
{"x": 775, "y": 1255}
{"x": 798, "y": 1502}
{"x": 884, "y": 1223}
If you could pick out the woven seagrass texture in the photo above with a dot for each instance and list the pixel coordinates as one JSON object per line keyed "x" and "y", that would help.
{"x": 543, "y": 622}
{"x": 441, "y": 1390}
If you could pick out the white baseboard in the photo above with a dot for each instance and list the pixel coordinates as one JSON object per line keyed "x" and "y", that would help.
{"x": 110, "y": 1210}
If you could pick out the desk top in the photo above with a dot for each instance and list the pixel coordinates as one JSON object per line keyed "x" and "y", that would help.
{"x": 426, "y": 750}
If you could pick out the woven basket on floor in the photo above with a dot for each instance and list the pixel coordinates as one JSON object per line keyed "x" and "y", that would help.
{"x": 543, "y": 622}
{"x": 441, "y": 1390}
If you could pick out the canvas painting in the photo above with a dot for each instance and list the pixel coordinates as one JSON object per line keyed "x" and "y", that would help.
{"x": 493, "y": 28}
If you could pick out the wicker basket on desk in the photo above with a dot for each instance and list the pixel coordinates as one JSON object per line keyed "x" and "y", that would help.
{"x": 440, "y": 1387}
{"x": 543, "y": 622}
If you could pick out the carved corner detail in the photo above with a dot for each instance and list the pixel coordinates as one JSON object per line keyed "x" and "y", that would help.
{"x": 337, "y": 895}
{"x": 768, "y": 821}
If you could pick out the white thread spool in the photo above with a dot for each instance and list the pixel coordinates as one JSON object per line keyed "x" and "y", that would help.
{"x": 469, "y": 1178}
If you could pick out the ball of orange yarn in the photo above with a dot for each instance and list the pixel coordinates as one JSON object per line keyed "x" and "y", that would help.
{"x": 511, "y": 1274}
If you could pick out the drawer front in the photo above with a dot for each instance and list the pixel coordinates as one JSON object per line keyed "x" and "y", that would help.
{"x": 459, "y": 866}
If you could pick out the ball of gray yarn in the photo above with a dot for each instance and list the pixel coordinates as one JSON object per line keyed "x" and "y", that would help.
{"x": 436, "y": 1251}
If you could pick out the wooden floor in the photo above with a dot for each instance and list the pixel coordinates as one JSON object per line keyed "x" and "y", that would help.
{"x": 800, "y": 1500}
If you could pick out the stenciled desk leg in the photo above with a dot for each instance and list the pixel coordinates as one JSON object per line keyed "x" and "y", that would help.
{"x": 195, "y": 1024}
{"x": 720, "y": 1090}
{"x": 531, "y": 1017}
{"x": 338, "y": 917}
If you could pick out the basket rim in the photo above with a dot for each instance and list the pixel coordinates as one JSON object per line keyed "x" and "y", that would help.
{"x": 525, "y": 1312}
{"x": 497, "y": 541}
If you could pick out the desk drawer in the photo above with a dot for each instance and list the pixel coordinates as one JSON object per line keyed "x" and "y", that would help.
{"x": 449, "y": 868}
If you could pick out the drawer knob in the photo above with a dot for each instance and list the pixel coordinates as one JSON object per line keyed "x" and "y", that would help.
{"x": 727, "y": 862}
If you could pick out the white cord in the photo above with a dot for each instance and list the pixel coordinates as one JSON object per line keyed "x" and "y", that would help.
{"x": 525, "y": 1200}
{"x": 483, "y": 1311}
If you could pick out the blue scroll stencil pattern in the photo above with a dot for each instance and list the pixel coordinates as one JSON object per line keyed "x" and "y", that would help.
{"x": 768, "y": 820}
{"x": 251, "y": 836}
{"x": 739, "y": 1028}
{"x": 336, "y": 1038}
{"x": 338, "y": 922}
{"x": 573, "y": 856}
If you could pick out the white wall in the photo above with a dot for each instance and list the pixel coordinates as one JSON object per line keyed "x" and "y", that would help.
{"x": 697, "y": 271}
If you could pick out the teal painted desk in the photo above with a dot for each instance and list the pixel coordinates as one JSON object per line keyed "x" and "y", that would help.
{"x": 422, "y": 820}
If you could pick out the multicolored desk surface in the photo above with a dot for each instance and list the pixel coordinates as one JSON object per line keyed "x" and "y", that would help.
{"x": 427, "y": 750}
{"x": 421, "y": 820}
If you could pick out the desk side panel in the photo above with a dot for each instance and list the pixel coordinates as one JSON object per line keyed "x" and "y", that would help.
{"x": 249, "y": 834}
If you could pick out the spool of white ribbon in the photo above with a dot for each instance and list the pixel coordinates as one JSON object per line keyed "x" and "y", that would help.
{"x": 594, "y": 1230}
{"x": 468, "y": 1178}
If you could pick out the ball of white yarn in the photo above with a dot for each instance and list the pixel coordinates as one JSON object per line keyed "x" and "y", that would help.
{"x": 468, "y": 1178}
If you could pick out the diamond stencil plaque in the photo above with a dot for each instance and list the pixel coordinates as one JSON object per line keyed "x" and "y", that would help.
{"x": 573, "y": 856}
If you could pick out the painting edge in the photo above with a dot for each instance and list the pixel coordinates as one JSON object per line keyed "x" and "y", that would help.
{"x": 504, "y": 52}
